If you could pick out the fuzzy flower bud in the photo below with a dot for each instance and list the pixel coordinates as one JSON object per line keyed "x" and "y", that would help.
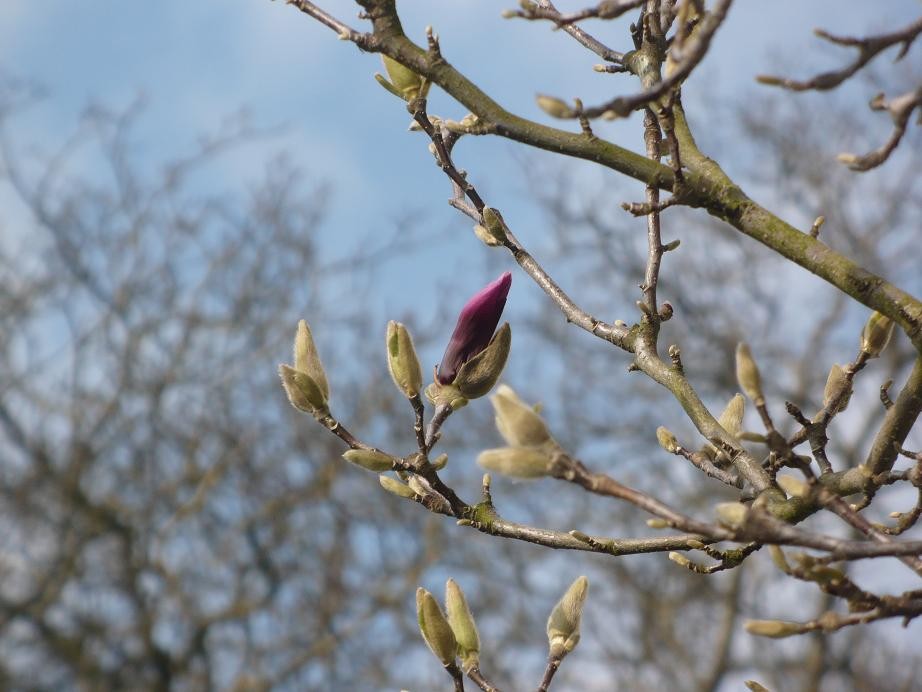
{"x": 563, "y": 622}
{"x": 747, "y": 374}
{"x": 303, "y": 392}
{"x": 434, "y": 627}
{"x": 773, "y": 628}
{"x": 554, "y": 107}
{"x": 731, "y": 514}
{"x": 876, "y": 334}
{"x": 392, "y": 485}
{"x": 308, "y": 360}
{"x": 369, "y": 459}
{"x": 667, "y": 440}
{"x": 731, "y": 419}
{"x": 517, "y": 462}
{"x": 517, "y": 422}
{"x": 836, "y": 381}
{"x": 402, "y": 361}
{"x": 462, "y": 625}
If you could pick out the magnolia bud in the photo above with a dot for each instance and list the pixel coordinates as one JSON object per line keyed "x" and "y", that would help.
{"x": 731, "y": 419}
{"x": 680, "y": 559}
{"x": 462, "y": 625}
{"x": 392, "y": 485}
{"x": 369, "y": 459}
{"x": 307, "y": 359}
{"x": 731, "y": 514}
{"x": 667, "y": 440}
{"x": 755, "y": 687}
{"x": 876, "y": 334}
{"x": 440, "y": 462}
{"x": 405, "y": 82}
{"x": 657, "y": 523}
{"x": 493, "y": 221}
{"x": 434, "y": 627}
{"x": 554, "y": 107}
{"x": 303, "y": 392}
{"x": 773, "y": 628}
{"x": 402, "y": 361}
{"x": 485, "y": 236}
{"x": 517, "y": 462}
{"x": 792, "y": 486}
{"x": 563, "y": 622}
{"x": 478, "y": 375}
{"x": 517, "y": 422}
{"x": 835, "y": 382}
{"x": 747, "y": 374}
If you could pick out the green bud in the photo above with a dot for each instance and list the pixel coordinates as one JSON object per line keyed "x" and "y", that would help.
{"x": 794, "y": 487}
{"x": 517, "y": 422}
{"x": 876, "y": 334}
{"x": 755, "y": 687}
{"x": 667, "y": 440}
{"x": 563, "y": 622}
{"x": 836, "y": 381}
{"x": 308, "y": 360}
{"x": 440, "y": 462}
{"x": 485, "y": 237}
{"x": 462, "y": 625}
{"x": 493, "y": 221}
{"x": 405, "y": 82}
{"x": 303, "y": 392}
{"x": 657, "y": 523}
{"x": 402, "y": 361}
{"x": 369, "y": 459}
{"x": 445, "y": 395}
{"x": 392, "y": 485}
{"x": 747, "y": 374}
{"x": 554, "y": 107}
{"x": 731, "y": 419}
{"x": 434, "y": 627}
{"x": 773, "y": 628}
{"x": 478, "y": 375}
{"x": 731, "y": 514}
{"x": 679, "y": 559}
{"x": 517, "y": 462}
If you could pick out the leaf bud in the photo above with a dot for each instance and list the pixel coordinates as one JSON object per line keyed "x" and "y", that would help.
{"x": 462, "y": 625}
{"x": 563, "y": 622}
{"x": 747, "y": 374}
{"x": 876, "y": 334}
{"x": 370, "y": 459}
{"x": 679, "y": 559}
{"x": 517, "y": 462}
{"x": 493, "y": 221}
{"x": 407, "y": 83}
{"x": 776, "y": 629}
{"x": 402, "y": 361}
{"x": 731, "y": 419}
{"x": 837, "y": 381}
{"x": 554, "y": 107}
{"x": 667, "y": 440}
{"x": 657, "y": 523}
{"x": 434, "y": 627}
{"x": 517, "y": 422}
{"x": 303, "y": 392}
{"x": 392, "y": 485}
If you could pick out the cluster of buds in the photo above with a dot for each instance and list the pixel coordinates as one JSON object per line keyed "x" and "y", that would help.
{"x": 530, "y": 444}
{"x": 452, "y": 634}
{"x": 476, "y": 353}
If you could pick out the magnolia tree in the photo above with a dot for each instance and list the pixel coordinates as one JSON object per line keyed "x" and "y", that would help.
{"x": 780, "y": 475}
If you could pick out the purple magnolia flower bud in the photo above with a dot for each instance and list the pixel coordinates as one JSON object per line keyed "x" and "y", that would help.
{"x": 476, "y": 324}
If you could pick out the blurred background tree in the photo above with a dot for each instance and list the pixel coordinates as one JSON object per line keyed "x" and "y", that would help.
{"x": 170, "y": 522}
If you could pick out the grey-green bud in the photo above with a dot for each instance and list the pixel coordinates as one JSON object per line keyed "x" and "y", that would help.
{"x": 773, "y": 628}
{"x": 369, "y": 459}
{"x": 303, "y": 392}
{"x": 462, "y": 625}
{"x": 405, "y": 82}
{"x": 402, "y": 362}
{"x": 731, "y": 514}
{"x": 517, "y": 422}
{"x": 667, "y": 440}
{"x": 836, "y": 381}
{"x": 478, "y": 375}
{"x": 564, "y": 620}
{"x": 308, "y": 360}
{"x": 485, "y": 236}
{"x": 392, "y": 485}
{"x": 747, "y": 374}
{"x": 493, "y": 222}
{"x": 876, "y": 334}
{"x": 434, "y": 627}
{"x": 554, "y": 107}
{"x": 731, "y": 419}
{"x": 517, "y": 462}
